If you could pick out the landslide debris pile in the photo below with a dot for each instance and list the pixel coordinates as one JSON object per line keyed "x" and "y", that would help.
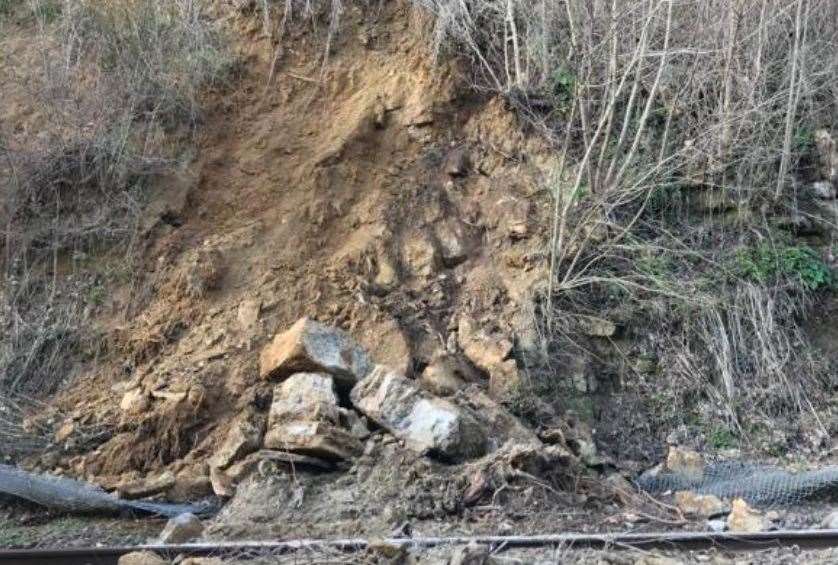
{"x": 328, "y": 394}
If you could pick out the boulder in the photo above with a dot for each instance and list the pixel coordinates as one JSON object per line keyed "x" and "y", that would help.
{"x": 317, "y": 439}
{"x": 142, "y": 558}
{"x": 305, "y": 418}
{"x": 310, "y": 346}
{"x": 245, "y": 436}
{"x": 745, "y": 519}
{"x": 702, "y": 505}
{"x": 426, "y": 424}
{"x": 308, "y": 397}
{"x": 181, "y": 529}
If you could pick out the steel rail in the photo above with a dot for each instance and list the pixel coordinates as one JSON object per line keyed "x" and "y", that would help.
{"x": 804, "y": 539}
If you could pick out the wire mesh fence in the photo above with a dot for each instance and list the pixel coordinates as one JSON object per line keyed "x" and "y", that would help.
{"x": 757, "y": 484}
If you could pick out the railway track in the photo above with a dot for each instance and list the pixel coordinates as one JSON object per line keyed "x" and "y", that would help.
{"x": 804, "y": 539}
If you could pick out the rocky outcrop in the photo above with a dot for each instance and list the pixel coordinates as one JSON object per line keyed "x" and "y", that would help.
{"x": 310, "y": 346}
{"x": 426, "y": 424}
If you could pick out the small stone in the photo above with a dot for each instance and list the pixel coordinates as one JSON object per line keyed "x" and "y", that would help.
{"x": 181, "y": 529}
{"x": 743, "y": 518}
{"x": 67, "y": 429}
{"x": 146, "y": 488}
{"x": 248, "y": 314}
{"x": 716, "y": 525}
{"x": 426, "y": 424}
{"x": 702, "y": 505}
{"x": 455, "y": 242}
{"x": 310, "y": 346}
{"x": 141, "y": 558}
{"x": 830, "y": 521}
{"x": 135, "y": 401}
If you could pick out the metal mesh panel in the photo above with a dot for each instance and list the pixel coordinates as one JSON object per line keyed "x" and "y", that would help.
{"x": 75, "y": 496}
{"x": 759, "y": 485}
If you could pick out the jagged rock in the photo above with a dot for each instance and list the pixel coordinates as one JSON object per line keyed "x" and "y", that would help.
{"x": 426, "y": 424}
{"x": 483, "y": 350}
{"x": 455, "y": 242}
{"x": 245, "y": 436}
{"x": 490, "y": 354}
{"x": 142, "y": 558}
{"x": 355, "y": 424}
{"x": 310, "y": 346}
{"x": 824, "y": 190}
{"x": 308, "y": 397}
{"x": 248, "y": 314}
{"x": 501, "y": 425}
{"x": 222, "y": 484}
{"x": 181, "y": 529}
{"x": 146, "y": 488}
{"x": 702, "y": 505}
{"x": 420, "y": 254}
{"x": 314, "y": 438}
{"x": 743, "y": 518}
{"x": 63, "y": 433}
{"x": 830, "y": 521}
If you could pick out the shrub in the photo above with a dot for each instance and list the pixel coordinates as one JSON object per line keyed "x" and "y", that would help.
{"x": 122, "y": 82}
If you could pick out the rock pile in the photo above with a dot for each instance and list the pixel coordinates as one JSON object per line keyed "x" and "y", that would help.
{"x": 328, "y": 391}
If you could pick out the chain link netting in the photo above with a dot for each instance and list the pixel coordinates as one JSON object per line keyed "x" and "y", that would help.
{"x": 757, "y": 484}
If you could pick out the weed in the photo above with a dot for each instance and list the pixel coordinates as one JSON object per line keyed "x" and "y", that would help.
{"x": 767, "y": 263}
{"x": 721, "y": 438}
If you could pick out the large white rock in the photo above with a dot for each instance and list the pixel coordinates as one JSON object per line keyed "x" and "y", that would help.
{"x": 426, "y": 424}
{"x": 310, "y": 346}
{"x": 306, "y": 397}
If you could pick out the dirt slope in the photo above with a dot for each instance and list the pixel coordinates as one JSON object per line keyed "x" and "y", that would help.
{"x": 376, "y": 195}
